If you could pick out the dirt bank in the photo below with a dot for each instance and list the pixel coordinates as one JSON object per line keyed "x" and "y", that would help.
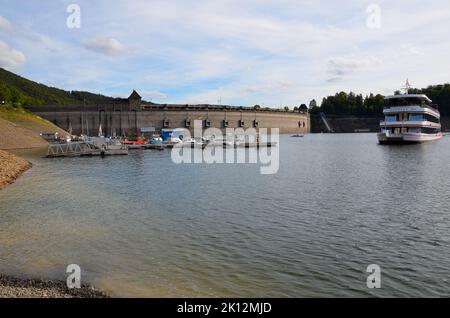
{"x": 11, "y": 287}
{"x": 20, "y": 129}
{"x": 11, "y": 167}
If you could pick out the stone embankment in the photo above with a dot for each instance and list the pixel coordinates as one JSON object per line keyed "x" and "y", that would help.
{"x": 31, "y": 288}
{"x": 11, "y": 167}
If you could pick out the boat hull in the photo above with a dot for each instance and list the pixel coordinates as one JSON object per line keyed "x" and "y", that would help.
{"x": 407, "y": 138}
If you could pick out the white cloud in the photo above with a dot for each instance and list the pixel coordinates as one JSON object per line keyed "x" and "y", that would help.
{"x": 153, "y": 94}
{"x": 10, "y": 58}
{"x": 243, "y": 51}
{"x": 107, "y": 46}
{"x": 340, "y": 67}
{"x": 412, "y": 50}
{"x": 5, "y": 24}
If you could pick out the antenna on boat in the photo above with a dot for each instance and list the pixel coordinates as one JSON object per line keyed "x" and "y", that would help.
{"x": 407, "y": 87}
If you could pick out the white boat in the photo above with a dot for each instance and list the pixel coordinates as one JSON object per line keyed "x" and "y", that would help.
{"x": 105, "y": 143}
{"x": 171, "y": 142}
{"x": 156, "y": 140}
{"x": 224, "y": 142}
{"x": 193, "y": 143}
{"x": 409, "y": 118}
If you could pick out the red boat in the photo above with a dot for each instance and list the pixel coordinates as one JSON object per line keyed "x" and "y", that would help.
{"x": 135, "y": 142}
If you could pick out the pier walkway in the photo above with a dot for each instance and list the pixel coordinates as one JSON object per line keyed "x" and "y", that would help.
{"x": 79, "y": 149}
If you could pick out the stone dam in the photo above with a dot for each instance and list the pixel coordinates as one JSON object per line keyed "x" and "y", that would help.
{"x": 136, "y": 117}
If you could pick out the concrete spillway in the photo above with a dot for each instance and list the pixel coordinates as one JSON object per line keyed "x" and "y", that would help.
{"x": 325, "y": 121}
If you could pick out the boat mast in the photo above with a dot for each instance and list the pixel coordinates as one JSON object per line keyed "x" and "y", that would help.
{"x": 407, "y": 87}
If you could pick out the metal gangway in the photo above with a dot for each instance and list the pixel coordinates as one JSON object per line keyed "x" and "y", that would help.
{"x": 325, "y": 121}
{"x": 73, "y": 149}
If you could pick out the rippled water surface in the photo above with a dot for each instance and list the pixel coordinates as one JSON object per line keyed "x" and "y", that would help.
{"x": 140, "y": 225}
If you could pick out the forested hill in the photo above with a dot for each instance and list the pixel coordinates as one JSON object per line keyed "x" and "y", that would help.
{"x": 351, "y": 104}
{"x": 19, "y": 91}
{"x": 439, "y": 94}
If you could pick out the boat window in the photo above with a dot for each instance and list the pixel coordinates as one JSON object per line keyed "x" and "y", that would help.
{"x": 416, "y": 117}
{"x": 391, "y": 118}
{"x": 431, "y": 118}
{"x": 426, "y": 130}
{"x": 411, "y": 101}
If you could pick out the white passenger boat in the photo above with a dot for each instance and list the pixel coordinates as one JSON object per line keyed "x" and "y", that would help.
{"x": 409, "y": 118}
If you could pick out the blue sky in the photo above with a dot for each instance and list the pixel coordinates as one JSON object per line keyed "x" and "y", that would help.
{"x": 272, "y": 53}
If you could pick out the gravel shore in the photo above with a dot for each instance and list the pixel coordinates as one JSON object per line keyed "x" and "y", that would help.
{"x": 11, "y": 167}
{"x": 11, "y": 287}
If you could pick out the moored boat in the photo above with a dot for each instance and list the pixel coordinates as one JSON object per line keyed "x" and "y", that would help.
{"x": 409, "y": 118}
{"x": 137, "y": 143}
{"x": 193, "y": 143}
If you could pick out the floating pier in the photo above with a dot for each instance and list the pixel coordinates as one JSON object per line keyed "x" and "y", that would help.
{"x": 88, "y": 148}
{"x": 81, "y": 149}
{"x": 155, "y": 146}
{"x": 254, "y": 144}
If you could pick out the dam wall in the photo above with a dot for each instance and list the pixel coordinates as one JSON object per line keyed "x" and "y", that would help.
{"x": 346, "y": 124}
{"x": 122, "y": 121}
{"x": 351, "y": 124}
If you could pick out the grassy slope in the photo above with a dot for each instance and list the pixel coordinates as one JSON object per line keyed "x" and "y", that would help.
{"x": 20, "y": 129}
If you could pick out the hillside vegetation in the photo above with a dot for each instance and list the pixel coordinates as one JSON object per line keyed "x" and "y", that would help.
{"x": 439, "y": 94}
{"x": 18, "y": 91}
{"x": 351, "y": 104}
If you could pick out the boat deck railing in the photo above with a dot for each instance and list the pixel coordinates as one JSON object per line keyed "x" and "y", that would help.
{"x": 433, "y": 107}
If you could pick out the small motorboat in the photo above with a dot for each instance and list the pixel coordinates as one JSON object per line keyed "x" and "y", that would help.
{"x": 156, "y": 143}
{"x": 156, "y": 140}
{"x": 193, "y": 143}
{"x": 220, "y": 142}
{"x": 138, "y": 143}
{"x": 171, "y": 142}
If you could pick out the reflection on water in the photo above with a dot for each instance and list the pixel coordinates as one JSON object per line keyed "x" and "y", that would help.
{"x": 140, "y": 225}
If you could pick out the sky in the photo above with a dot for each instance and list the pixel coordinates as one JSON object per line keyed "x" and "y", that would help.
{"x": 238, "y": 52}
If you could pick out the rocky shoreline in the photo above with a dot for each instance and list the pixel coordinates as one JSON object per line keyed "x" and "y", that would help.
{"x": 11, "y": 167}
{"x": 11, "y": 287}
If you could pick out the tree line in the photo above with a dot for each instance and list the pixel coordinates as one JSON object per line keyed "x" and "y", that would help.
{"x": 439, "y": 94}
{"x": 351, "y": 104}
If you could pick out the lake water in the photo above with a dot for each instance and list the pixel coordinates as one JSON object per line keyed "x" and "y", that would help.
{"x": 140, "y": 225}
